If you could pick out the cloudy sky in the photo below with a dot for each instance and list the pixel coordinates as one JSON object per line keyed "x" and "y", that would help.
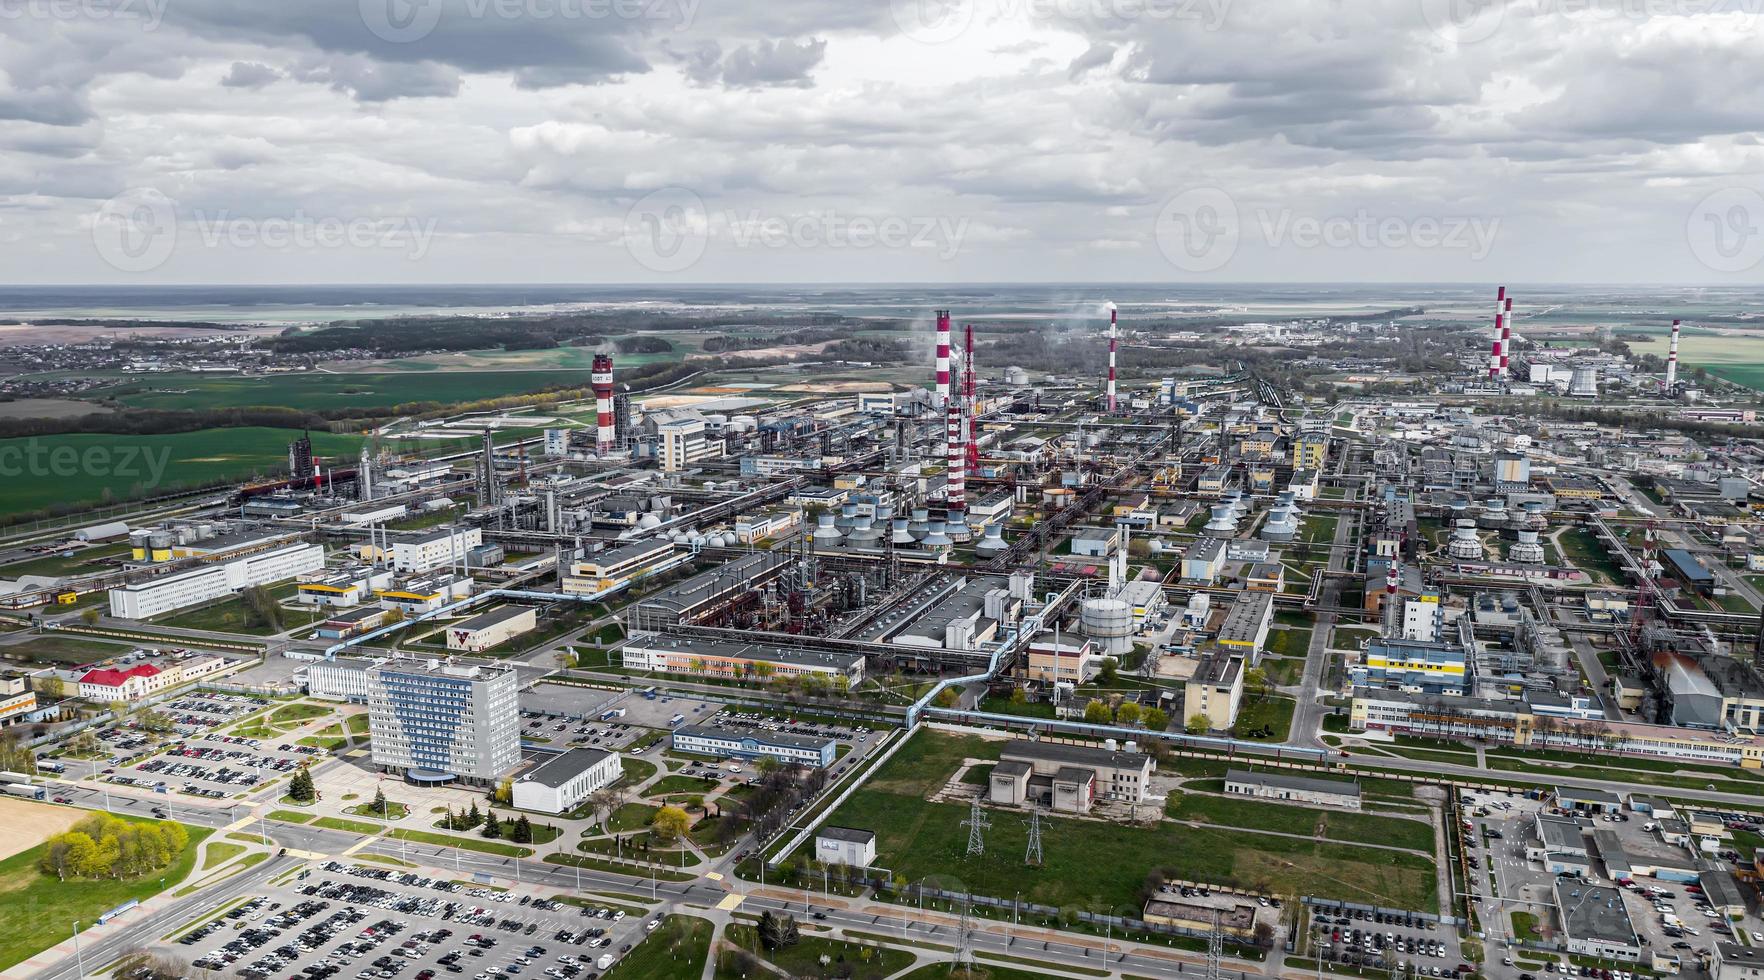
{"x": 416, "y": 141}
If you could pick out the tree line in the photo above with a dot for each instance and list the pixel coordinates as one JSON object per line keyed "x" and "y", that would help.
{"x": 107, "y": 846}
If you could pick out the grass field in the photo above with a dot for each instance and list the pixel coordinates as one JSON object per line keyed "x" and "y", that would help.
{"x": 232, "y": 616}
{"x": 1091, "y": 862}
{"x": 845, "y": 959}
{"x": 1738, "y": 359}
{"x": 327, "y": 391}
{"x": 677, "y": 948}
{"x": 189, "y": 458}
{"x": 37, "y": 911}
{"x": 83, "y": 561}
{"x": 1335, "y": 824}
{"x": 62, "y": 650}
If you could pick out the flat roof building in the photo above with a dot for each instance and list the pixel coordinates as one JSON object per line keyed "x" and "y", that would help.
{"x": 436, "y": 721}
{"x": 753, "y": 743}
{"x": 561, "y": 783}
{"x": 1595, "y": 921}
{"x": 1068, "y": 777}
{"x": 1287, "y": 787}
{"x": 675, "y": 654}
{"x": 493, "y": 628}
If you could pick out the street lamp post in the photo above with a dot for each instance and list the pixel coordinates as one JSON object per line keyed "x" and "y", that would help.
{"x": 79, "y": 957}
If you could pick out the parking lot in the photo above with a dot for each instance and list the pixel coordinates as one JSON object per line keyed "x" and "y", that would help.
{"x": 201, "y": 761}
{"x": 1385, "y": 941}
{"x": 1669, "y": 917}
{"x": 562, "y": 703}
{"x": 373, "y": 923}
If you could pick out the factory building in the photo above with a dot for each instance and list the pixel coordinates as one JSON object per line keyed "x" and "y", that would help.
{"x": 180, "y": 590}
{"x": 491, "y": 629}
{"x": 420, "y": 594}
{"x": 745, "y": 743}
{"x": 675, "y": 654}
{"x": 1215, "y": 690}
{"x": 1412, "y": 665}
{"x": 564, "y": 781}
{"x": 616, "y": 566}
{"x": 435, "y": 549}
{"x": 436, "y": 722}
{"x": 1245, "y": 629}
{"x": 343, "y": 587}
{"x": 1067, "y": 778}
{"x": 1344, "y": 793}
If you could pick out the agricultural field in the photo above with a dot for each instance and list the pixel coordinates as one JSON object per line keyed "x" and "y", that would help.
{"x": 145, "y": 465}
{"x": 1739, "y": 359}
{"x": 312, "y": 392}
{"x": 1089, "y": 862}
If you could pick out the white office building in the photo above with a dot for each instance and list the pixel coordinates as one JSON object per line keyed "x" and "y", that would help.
{"x": 343, "y": 679}
{"x": 561, "y": 783}
{"x": 435, "y": 721}
{"x": 169, "y": 593}
{"x": 844, "y": 845}
{"x": 436, "y": 549}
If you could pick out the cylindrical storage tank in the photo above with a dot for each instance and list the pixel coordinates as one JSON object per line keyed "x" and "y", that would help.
{"x": 1109, "y": 622}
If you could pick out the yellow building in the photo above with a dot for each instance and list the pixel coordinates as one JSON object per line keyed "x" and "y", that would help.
{"x": 1310, "y": 452}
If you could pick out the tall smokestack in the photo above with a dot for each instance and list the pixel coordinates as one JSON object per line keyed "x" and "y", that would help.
{"x": 956, "y": 480}
{"x": 1390, "y": 598}
{"x": 1112, "y": 340}
{"x": 1672, "y": 358}
{"x": 1495, "y": 351}
{"x": 969, "y": 400}
{"x": 600, "y": 378}
{"x": 1506, "y": 335}
{"x": 942, "y": 358}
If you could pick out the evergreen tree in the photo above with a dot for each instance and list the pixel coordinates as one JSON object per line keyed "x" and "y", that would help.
{"x": 522, "y": 831}
{"x": 492, "y": 826}
{"x": 380, "y": 806}
{"x": 472, "y": 817}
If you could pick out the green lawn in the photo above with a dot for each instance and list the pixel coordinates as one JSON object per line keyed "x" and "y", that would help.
{"x": 315, "y": 391}
{"x": 82, "y": 561}
{"x": 1088, "y": 861}
{"x": 351, "y": 826}
{"x": 190, "y": 459}
{"x": 631, "y": 816}
{"x": 234, "y": 616}
{"x": 358, "y": 724}
{"x": 219, "y": 854}
{"x": 63, "y": 650}
{"x": 846, "y": 960}
{"x": 1273, "y": 713}
{"x": 1584, "y": 549}
{"x": 289, "y": 816}
{"x": 680, "y": 784}
{"x": 299, "y": 712}
{"x": 1525, "y": 926}
{"x": 464, "y": 843}
{"x": 38, "y": 911}
{"x": 1335, "y": 824}
{"x": 677, "y": 948}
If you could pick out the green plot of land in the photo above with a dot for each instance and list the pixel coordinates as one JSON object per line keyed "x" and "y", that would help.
{"x": 680, "y": 784}
{"x": 198, "y": 458}
{"x": 79, "y": 561}
{"x": 1091, "y": 861}
{"x": 1282, "y": 818}
{"x": 219, "y": 854}
{"x": 631, "y": 816}
{"x": 676, "y": 948}
{"x": 62, "y": 650}
{"x": 37, "y": 910}
{"x": 349, "y": 826}
{"x": 299, "y": 712}
{"x": 290, "y": 816}
{"x": 316, "y": 392}
{"x": 1265, "y": 718}
{"x": 464, "y": 843}
{"x": 358, "y": 724}
{"x": 234, "y": 615}
{"x": 1584, "y": 549}
{"x": 846, "y": 960}
{"x": 1293, "y": 642}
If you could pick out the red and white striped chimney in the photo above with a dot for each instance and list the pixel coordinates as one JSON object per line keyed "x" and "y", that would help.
{"x": 942, "y": 358}
{"x": 1112, "y": 341}
{"x": 1672, "y": 358}
{"x": 1494, "y": 351}
{"x": 600, "y": 378}
{"x": 971, "y": 451}
{"x": 956, "y": 480}
{"x": 1506, "y": 335}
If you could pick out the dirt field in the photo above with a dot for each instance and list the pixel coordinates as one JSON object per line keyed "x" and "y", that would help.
{"x": 24, "y": 824}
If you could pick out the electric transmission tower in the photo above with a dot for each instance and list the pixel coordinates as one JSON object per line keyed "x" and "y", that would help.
{"x": 1215, "y": 948}
{"x": 965, "y": 940}
{"x": 977, "y": 824}
{"x": 1033, "y": 855}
